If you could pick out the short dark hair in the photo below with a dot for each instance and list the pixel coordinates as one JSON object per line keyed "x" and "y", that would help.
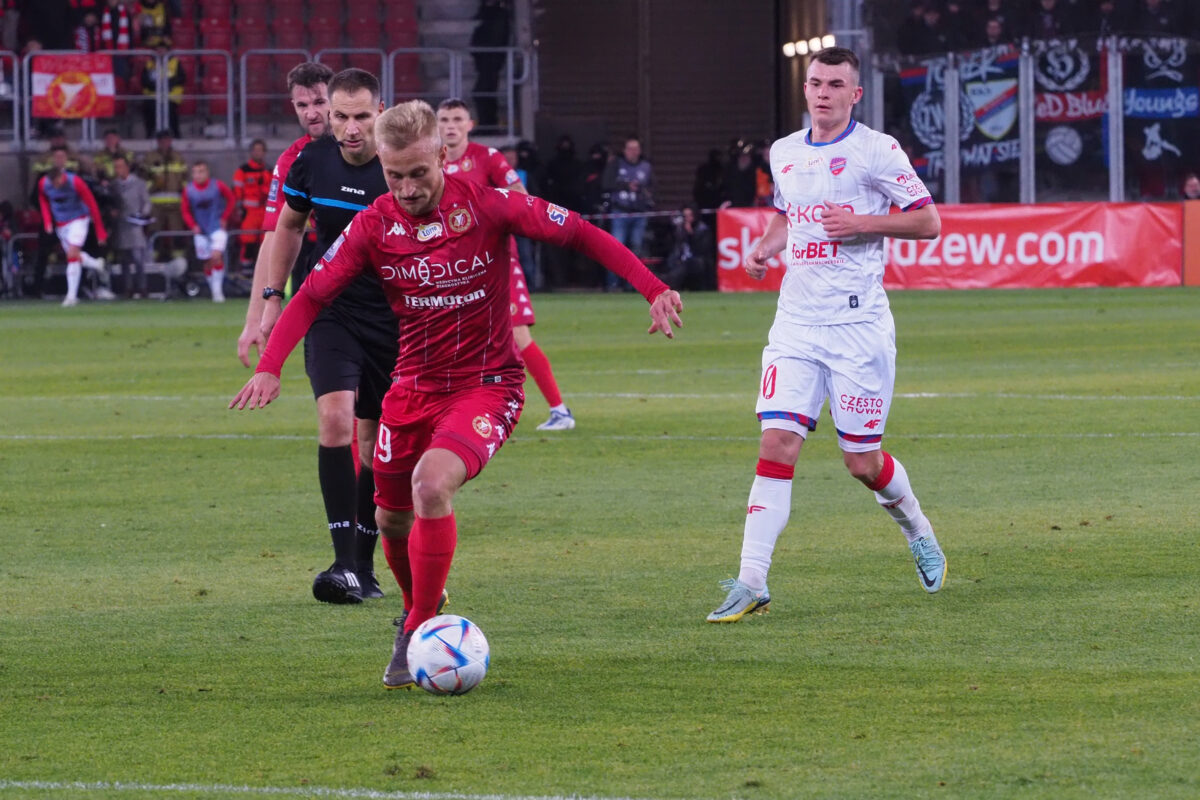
{"x": 200, "y": 162}
{"x": 838, "y": 55}
{"x": 59, "y": 147}
{"x": 308, "y": 74}
{"x": 112, "y": 132}
{"x": 354, "y": 80}
{"x": 454, "y": 102}
{"x": 258, "y": 141}
{"x": 120, "y": 157}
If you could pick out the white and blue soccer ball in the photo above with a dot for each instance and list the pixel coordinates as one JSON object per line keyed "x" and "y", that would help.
{"x": 448, "y": 655}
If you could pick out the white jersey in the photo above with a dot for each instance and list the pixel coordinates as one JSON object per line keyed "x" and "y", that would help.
{"x": 862, "y": 170}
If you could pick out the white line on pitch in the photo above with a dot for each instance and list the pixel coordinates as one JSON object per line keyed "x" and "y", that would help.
{"x": 271, "y": 791}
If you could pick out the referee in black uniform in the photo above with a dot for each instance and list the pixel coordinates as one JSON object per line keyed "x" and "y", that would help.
{"x": 350, "y": 350}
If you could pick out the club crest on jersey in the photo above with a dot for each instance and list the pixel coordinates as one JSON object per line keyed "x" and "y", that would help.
{"x": 429, "y": 231}
{"x": 837, "y": 165}
{"x": 482, "y": 426}
{"x": 557, "y": 214}
{"x": 460, "y": 219}
{"x": 466, "y": 165}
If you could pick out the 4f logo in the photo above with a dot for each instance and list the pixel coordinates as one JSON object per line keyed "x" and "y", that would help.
{"x": 871, "y": 424}
{"x": 752, "y": 509}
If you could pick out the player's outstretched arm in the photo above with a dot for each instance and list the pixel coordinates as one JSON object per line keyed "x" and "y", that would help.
{"x": 260, "y": 390}
{"x": 251, "y": 335}
{"x": 664, "y": 311}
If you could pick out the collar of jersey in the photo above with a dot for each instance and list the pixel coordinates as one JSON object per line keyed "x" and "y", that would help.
{"x": 808, "y": 136}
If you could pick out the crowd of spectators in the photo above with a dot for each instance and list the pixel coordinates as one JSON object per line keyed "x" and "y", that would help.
{"x": 939, "y": 26}
{"x": 138, "y": 195}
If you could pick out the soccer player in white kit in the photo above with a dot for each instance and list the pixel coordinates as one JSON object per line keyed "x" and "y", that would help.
{"x": 833, "y": 335}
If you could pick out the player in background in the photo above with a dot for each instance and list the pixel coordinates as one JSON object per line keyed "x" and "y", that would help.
{"x": 350, "y": 350}
{"x": 487, "y": 167}
{"x": 206, "y": 208}
{"x": 833, "y": 334}
{"x": 251, "y": 181}
{"x": 67, "y": 205}
{"x": 308, "y": 87}
{"x": 439, "y": 244}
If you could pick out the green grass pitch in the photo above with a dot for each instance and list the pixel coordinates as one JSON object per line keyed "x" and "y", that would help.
{"x": 158, "y": 637}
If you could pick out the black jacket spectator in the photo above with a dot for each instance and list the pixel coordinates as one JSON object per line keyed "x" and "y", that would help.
{"x": 562, "y": 181}
{"x": 709, "y": 188}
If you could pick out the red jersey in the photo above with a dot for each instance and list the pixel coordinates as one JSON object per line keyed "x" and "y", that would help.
{"x": 275, "y": 202}
{"x": 446, "y": 276}
{"x": 485, "y": 166}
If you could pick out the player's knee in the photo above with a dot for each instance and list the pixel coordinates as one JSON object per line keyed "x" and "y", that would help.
{"x": 432, "y": 493}
{"x": 393, "y": 524}
{"x": 335, "y": 428}
{"x": 864, "y": 467}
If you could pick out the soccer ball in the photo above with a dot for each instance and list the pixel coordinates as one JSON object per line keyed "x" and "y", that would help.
{"x": 448, "y": 655}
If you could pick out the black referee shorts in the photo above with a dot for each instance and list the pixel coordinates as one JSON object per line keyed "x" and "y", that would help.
{"x": 346, "y": 354}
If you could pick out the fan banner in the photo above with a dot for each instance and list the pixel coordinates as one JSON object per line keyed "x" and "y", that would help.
{"x": 74, "y": 86}
{"x": 1000, "y": 246}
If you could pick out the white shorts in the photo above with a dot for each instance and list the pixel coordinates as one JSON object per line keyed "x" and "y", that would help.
{"x": 209, "y": 244}
{"x": 73, "y": 233}
{"x": 853, "y": 365}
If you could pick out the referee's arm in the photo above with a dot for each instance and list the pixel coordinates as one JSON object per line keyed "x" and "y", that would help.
{"x": 285, "y": 247}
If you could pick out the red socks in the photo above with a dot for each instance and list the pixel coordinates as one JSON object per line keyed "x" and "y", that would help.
{"x": 395, "y": 551}
{"x": 430, "y": 551}
{"x": 539, "y": 367}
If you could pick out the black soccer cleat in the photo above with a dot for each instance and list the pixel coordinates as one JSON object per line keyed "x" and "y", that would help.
{"x": 338, "y": 586}
{"x": 368, "y": 584}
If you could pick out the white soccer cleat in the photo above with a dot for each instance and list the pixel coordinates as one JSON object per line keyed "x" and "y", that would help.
{"x": 68, "y": 302}
{"x": 558, "y": 422}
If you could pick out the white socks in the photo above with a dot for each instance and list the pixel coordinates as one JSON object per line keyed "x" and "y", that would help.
{"x": 767, "y": 513}
{"x": 216, "y": 284}
{"x": 895, "y": 494}
{"x": 74, "y": 272}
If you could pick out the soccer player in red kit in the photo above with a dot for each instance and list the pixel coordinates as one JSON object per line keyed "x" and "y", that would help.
{"x": 488, "y": 167}
{"x": 439, "y": 246}
{"x": 308, "y": 86}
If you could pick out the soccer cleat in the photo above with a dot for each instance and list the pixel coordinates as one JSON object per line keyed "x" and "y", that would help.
{"x": 740, "y": 601}
{"x": 931, "y": 562}
{"x": 368, "y": 584}
{"x": 338, "y": 586}
{"x": 397, "y": 676}
{"x": 103, "y": 293}
{"x": 558, "y": 422}
{"x": 68, "y": 302}
{"x": 400, "y": 620}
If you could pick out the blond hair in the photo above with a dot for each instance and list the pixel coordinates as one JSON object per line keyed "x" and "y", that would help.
{"x": 406, "y": 123}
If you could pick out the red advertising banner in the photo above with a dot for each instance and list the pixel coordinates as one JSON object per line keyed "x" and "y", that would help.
{"x": 74, "y": 86}
{"x": 1004, "y": 246}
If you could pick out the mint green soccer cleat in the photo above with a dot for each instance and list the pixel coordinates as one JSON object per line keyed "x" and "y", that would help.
{"x": 931, "y": 562}
{"x": 740, "y": 601}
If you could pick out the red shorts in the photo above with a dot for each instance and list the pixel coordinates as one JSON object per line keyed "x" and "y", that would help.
{"x": 518, "y": 297}
{"x": 472, "y": 424}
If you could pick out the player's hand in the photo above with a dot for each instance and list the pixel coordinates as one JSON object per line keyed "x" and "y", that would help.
{"x": 102, "y": 240}
{"x": 838, "y": 222}
{"x": 49, "y": 230}
{"x": 258, "y": 391}
{"x": 665, "y": 310}
{"x": 251, "y": 335}
{"x": 756, "y": 262}
{"x": 270, "y": 316}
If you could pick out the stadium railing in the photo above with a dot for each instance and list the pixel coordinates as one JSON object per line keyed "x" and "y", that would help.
{"x": 228, "y": 93}
{"x": 10, "y": 97}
